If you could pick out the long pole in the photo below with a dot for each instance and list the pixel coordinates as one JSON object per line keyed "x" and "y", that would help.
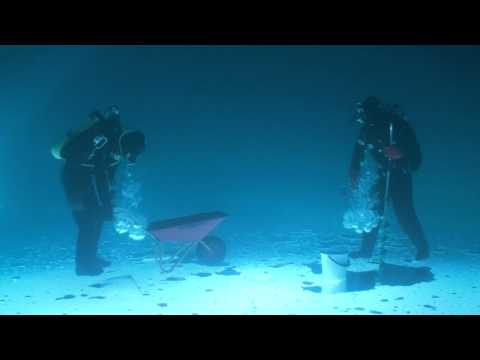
{"x": 385, "y": 200}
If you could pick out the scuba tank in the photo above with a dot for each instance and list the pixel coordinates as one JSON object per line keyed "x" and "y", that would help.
{"x": 56, "y": 150}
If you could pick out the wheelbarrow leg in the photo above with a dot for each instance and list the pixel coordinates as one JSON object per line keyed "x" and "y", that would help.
{"x": 184, "y": 251}
{"x": 181, "y": 254}
{"x": 201, "y": 242}
{"x": 160, "y": 252}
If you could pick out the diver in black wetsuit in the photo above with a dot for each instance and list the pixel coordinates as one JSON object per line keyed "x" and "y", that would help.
{"x": 92, "y": 156}
{"x": 405, "y": 156}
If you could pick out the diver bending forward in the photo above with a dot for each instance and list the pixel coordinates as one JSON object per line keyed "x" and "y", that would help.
{"x": 92, "y": 156}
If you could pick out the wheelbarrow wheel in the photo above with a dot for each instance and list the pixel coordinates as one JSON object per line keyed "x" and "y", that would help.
{"x": 211, "y": 250}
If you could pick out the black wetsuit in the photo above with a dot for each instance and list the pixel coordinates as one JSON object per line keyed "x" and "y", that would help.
{"x": 87, "y": 178}
{"x": 376, "y": 134}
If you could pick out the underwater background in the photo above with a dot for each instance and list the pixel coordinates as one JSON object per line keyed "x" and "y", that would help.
{"x": 263, "y": 133}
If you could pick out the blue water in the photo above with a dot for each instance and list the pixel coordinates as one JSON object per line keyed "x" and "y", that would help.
{"x": 260, "y": 132}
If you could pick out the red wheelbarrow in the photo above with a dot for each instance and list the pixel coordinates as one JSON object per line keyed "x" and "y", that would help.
{"x": 190, "y": 232}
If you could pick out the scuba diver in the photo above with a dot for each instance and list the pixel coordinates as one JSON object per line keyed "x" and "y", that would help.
{"x": 92, "y": 155}
{"x": 402, "y": 157}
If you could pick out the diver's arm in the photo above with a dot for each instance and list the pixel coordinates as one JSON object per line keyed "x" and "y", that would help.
{"x": 409, "y": 146}
{"x": 105, "y": 192}
{"x": 357, "y": 158}
{"x": 111, "y": 180}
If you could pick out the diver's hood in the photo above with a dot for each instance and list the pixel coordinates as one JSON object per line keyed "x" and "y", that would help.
{"x": 133, "y": 143}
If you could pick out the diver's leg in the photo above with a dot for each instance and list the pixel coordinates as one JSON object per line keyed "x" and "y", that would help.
{"x": 402, "y": 198}
{"x": 98, "y": 233}
{"x": 81, "y": 197}
{"x": 368, "y": 244}
{"x": 104, "y": 207}
{"x": 89, "y": 232}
